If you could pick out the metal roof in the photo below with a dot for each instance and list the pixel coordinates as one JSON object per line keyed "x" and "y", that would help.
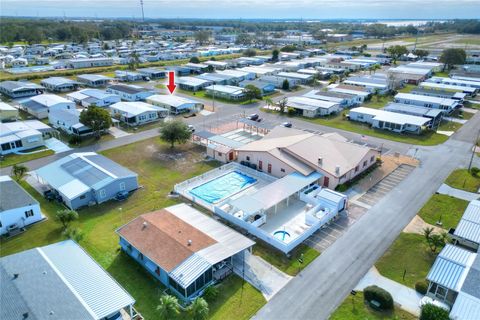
{"x": 466, "y": 307}
{"x": 229, "y": 241}
{"x": 447, "y": 87}
{"x": 135, "y": 108}
{"x": 172, "y": 101}
{"x": 189, "y": 270}
{"x": 412, "y": 109}
{"x": 232, "y": 90}
{"x": 274, "y": 192}
{"x": 58, "y": 281}
{"x": 58, "y": 81}
{"x": 451, "y": 267}
{"x": 305, "y": 103}
{"x": 469, "y": 226}
{"x": 428, "y": 99}
{"x": 93, "y": 77}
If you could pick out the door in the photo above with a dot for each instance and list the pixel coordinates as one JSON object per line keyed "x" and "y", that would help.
{"x": 269, "y": 168}
{"x": 260, "y": 165}
{"x": 326, "y": 181}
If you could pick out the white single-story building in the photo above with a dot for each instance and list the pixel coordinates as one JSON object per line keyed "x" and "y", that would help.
{"x": 94, "y": 80}
{"x": 18, "y": 208}
{"x": 312, "y": 108}
{"x": 68, "y": 120}
{"x": 446, "y": 105}
{"x": 40, "y": 105}
{"x": 7, "y": 112}
{"x": 175, "y": 104}
{"x": 130, "y": 92}
{"x": 19, "y": 89}
{"x": 387, "y": 120}
{"x": 59, "y": 84}
{"x": 22, "y": 135}
{"x": 192, "y": 83}
{"x": 88, "y": 97}
{"x": 137, "y": 112}
{"x": 226, "y": 92}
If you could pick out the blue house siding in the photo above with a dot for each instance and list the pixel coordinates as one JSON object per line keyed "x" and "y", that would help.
{"x": 158, "y": 273}
{"x": 130, "y": 184}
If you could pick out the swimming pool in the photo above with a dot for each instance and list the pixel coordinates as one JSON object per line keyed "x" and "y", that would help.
{"x": 222, "y": 187}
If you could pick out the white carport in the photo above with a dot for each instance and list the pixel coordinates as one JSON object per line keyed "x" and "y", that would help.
{"x": 274, "y": 193}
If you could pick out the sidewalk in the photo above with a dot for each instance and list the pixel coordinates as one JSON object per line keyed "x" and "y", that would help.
{"x": 406, "y": 298}
{"x": 262, "y": 275}
{"x": 457, "y": 193}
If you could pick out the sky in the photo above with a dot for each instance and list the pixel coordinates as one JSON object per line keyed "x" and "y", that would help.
{"x": 224, "y": 9}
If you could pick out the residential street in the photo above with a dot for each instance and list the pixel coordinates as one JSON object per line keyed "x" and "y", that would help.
{"x": 317, "y": 291}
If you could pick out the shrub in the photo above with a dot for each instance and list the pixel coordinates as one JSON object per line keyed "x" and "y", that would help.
{"x": 474, "y": 171}
{"x": 382, "y": 296}
{"x": 210, "y": 293}
{"x": 421, "y": 286}
{"x": 432, "y": 312}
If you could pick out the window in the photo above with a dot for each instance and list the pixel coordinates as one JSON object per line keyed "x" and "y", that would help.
{"x": 140, "y": 256}
{"x": 364, "y": 163}
{"x": 83, "y": 196}
{"x": 103, "y": 194}
{"x": 248, "y": 158}
{"x": 269, "y": 168}
{"x": 220, "y": 154}
{"x": 282, "y": 170}
{"x": 356, "y": 169}
{"x": 122, "y": 186}
{"x": 372, "y": 158}
{"x": 29, "y": 213}
{"x": 157, "y": 271}
{"x": 260, "y": 165}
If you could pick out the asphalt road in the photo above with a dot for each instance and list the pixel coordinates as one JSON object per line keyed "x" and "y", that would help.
{"x": 317, "y": 291}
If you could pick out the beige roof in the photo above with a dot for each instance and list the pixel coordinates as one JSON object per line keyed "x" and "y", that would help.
{"x": 301, "y": 150}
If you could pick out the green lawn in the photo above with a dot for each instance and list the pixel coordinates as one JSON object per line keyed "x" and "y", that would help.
{"x": 378, "y": 101}
{"x": 449, "y": 209}
{"x": 407, "y": 88}
{"x": 462, "y": 179}
{"x": 11, "y": 159}
{"x": 234, "y": 302}
{"x": 338, "y": 121}
{"x": 354, "y": 308}
{"x": 292, "y": 265}
{"x": 151, "y": 159}
{"x": 449, "y": 126}
{"x": 409, "y": 252}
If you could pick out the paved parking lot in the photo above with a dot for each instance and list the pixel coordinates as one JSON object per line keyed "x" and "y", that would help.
{"x": 327, "y": 235}
{"x": 378, "y": 191}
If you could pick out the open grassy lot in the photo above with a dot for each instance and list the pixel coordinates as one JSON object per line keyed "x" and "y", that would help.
{"x": 354, "y": 308}
{"x": 291, "y": 266}
{"x": 378, "y": 101}
{"x": 159, "y": 168}
{"x": 410, "y": 253}
{"x": 448, "y": 209}
{"x": 407, "y": 88}
{"x": 449, "y": 126}
{"x": 338, "y": 121}
{"x": 235, "y": 302}
{"x": 11, "y": 159}
{"x": 462, "y": 179}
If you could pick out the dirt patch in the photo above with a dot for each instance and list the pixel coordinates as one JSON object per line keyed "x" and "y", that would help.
{"x": 417, "y": 225}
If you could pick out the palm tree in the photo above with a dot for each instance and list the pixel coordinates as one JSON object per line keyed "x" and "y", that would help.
{"x": 198, "y": 310}
{"x": 19, "y": 171}
{"x": 282, "y": 104}
{"x": 168, "y": 308}
{"x": 268, "y": 101}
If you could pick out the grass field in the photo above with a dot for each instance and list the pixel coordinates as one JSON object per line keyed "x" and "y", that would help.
{"x": 355, "y": 308}
{"x": 378, "y": 101}
{"x": 409, "y": 253}
{"x": 158, "y": 172}
{"x": 444, "y": 207}
{"x": 291, "y": 266}
{"x": 462, "y": 179}
{"x": 11, "y": 159}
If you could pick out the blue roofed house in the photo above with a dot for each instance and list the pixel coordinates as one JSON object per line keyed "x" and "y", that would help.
{"x": 68, "y": 120}
{"x": 184, "y": 249}
{"x": 265, "y": 87}
{"x": 88, "y": 97}
{"x": 59, "y": 84}
{"x": 82, "y": 179}
{"x": 60, "y": 281}
{"x": 18, "y": 208}
{"x": 130, "y": 92}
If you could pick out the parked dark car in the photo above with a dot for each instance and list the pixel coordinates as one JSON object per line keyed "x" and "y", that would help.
{"x": 287, "y": 124}
{"x": 253, "y": 117}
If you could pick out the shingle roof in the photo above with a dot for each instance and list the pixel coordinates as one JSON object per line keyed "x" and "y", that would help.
{"x": 164, "y": 238}
{"x": 12, "y": 195}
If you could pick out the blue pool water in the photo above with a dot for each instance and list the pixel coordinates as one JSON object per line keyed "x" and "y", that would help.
{"x": 222, "y": 187}
{"x": 281, "y": 235}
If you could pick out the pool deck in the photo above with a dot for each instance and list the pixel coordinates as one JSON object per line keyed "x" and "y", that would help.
{"x": 290, "y": 219}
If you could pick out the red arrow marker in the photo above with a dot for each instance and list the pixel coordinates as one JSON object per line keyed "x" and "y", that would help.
{"x": 171, "y": 81}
